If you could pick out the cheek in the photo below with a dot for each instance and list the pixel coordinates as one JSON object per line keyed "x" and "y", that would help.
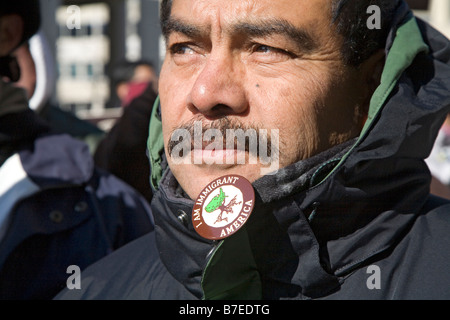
{"x": 292, "y": 104}
{"x": 293, "y": 90}
{"x": 293, "y": 112}
{"x": 172, "y": 105}
{"x": 290, "y": 100}
{"x": 172, "y": 93}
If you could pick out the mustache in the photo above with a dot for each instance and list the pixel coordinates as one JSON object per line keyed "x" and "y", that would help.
{"x": 227, "y": 132}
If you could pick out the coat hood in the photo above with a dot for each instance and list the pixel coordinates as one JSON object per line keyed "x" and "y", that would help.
{"x": 49, "y": 160}
{"x": 368, "y": 191}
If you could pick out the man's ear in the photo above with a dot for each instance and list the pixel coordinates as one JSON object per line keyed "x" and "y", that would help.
{"x": 370, "y": 76}
{"x": 11, "y": 33}
{"x": 371, "y": 71}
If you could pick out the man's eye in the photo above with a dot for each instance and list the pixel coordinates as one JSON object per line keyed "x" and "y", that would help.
{"x": 181, "y": 48}
{"x": 184, "y": 53}
{"x": 265, "y": 53}
{"x": 264, "y": 48}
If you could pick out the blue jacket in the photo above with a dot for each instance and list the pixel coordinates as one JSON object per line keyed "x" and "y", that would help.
{"x": 57, "y": 209}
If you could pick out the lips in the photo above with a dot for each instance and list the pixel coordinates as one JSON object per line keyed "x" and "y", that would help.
{"x": 213, "y": 146}
{"x": 216, "y": 153}
{"x": 218, "y": 141}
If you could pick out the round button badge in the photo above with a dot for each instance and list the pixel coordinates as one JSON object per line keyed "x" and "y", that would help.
{"x": 223, "y": 207}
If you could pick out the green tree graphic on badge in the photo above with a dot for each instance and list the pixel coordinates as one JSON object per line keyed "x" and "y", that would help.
{"x": 218, "y": 203}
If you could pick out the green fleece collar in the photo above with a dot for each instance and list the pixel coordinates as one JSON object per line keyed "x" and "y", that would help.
{"x": 155, "y": 145}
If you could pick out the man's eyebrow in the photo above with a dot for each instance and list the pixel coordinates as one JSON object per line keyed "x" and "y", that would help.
{"x": 301, "y": 37}
{"x": 179, "y": 26}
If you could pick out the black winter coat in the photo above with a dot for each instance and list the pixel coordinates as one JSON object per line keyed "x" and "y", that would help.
{"x": 355, "y": 222}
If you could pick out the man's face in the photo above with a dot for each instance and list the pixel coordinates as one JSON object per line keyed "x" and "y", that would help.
{"x": 258, "y": 65}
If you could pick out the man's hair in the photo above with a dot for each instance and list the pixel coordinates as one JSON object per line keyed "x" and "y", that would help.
{"x": 29, "y": 10}
{"x": 350, "y": 20}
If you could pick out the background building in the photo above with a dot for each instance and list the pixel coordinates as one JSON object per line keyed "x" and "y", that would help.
{"x": 82, "y": 54}
{"x": 88, "y": 38}
{"x": 436, "y": 12}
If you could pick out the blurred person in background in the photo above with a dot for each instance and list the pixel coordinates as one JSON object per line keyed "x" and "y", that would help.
{"x": 131, "y": 78}
{"x": 57, "y": 210}
{"x": 123, "y": 151}
{"x": 439, "y": 162}
{"x": 38, "y": 78}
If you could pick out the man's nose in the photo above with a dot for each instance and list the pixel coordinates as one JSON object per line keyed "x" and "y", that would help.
{"x": 219, "y": 89}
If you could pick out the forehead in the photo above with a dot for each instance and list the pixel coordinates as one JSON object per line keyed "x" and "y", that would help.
{"x": 225, "y": 13}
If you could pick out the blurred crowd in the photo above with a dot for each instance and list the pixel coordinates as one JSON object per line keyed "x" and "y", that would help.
{"x": 70, "y": 192}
